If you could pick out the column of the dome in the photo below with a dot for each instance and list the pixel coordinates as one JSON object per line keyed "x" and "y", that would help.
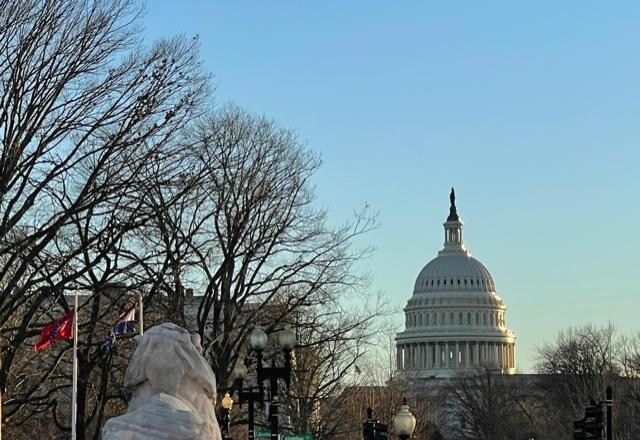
{"x": 447, "y": 355}
{"x": 428, "y": 358}
{"x": 466, "y": 355}
{"x": 398, "y": 357}
{"x": 508, "y": 352}
{"x": 505, "y": 350}
{"x": 499, "y": 352}
{"x": 513, "y": 355}
{"x": 488, "y": 356}
{"x": 421, "y": 351}
{"x": 439, "y": 354}
{"x": 494, "y": 354}
{"x": 456, "y": 361}
{"x": 426, "y": 355}
{"x": 474, "y": 349}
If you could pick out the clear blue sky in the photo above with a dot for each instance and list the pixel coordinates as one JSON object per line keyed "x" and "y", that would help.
{"x": 529, "y": 110}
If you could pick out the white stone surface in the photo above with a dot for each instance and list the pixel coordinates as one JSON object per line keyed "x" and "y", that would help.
{"x": 172, "y": 389}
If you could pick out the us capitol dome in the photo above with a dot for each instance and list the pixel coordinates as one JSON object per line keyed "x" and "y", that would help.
{"x": 455, "y": 320}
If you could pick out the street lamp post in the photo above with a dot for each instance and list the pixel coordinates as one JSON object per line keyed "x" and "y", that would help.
{"x": 227, "y": 404}
{"x": 258, "y": 342}
{"x": 404, "y": 422}
{"x": 372, "y": 429}
{"x": 249, "y": 396}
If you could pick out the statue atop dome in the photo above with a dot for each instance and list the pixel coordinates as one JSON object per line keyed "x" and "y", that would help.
{"x": 453, "y": 212}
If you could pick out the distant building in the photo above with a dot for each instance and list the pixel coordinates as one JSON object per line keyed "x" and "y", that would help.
{"x": 455, "y": 320}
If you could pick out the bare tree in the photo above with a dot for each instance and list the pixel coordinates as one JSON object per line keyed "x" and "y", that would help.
{"x": 579, "y": 365}
{"x": 332, "y": 345}
{"x": 245, "y": 232}
{"x": 487, "y": 405}
{"x": 84, "y": 110}
{"x": 585, "y": 359}
{"x": 385, "y": 401}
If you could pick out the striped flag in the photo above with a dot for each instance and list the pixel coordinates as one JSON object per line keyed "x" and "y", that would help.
{"x": 126, "y": 324}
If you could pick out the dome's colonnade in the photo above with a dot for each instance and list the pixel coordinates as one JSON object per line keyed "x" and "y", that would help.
{"x": 454, "y": 320}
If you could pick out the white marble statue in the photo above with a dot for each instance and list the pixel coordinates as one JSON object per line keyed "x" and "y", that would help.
{"x": 172, "y": 389}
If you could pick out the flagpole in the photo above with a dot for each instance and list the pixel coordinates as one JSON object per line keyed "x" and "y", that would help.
{"x": 141, "y": 317}
{"x": 74, "y": 391}
{"x": 1, "y": 390}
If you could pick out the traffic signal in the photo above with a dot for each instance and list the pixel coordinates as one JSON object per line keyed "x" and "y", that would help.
{"x": 578, "y": 430}
{"x": 593, "y": 421}
{"x": 381, "y": 431}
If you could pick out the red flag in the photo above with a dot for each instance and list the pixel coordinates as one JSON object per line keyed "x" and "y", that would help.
{"x": 56, "y": 331}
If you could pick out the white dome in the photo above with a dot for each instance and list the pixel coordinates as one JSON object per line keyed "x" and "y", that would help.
{"x": 454, "y": 320}
{"x": 458, "y": 271}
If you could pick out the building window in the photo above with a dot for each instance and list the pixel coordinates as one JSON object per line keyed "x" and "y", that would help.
{"x": 435, "y": 319}
{"x": 465, "y": 281}
{"x": 477, "y": 319}
{"x": 427, "y": 319}
{"x": 484, "y": 319}
{"x": 458, "y": 281}
{"x": 469, "y": 318}
{"x": 420, "y": 319}
{"x": 460, "y": 318}
{"x": 451, "y": 321}
{"x": 492, "y": 319}
{"x": 445, "y": 282}
{"x": 442, "y": 318}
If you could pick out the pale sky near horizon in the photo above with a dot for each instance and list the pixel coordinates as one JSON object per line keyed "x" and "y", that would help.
{"x": 530, "y": 110}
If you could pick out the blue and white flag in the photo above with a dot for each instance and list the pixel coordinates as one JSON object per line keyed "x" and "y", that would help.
{"x": 126, "y": 324}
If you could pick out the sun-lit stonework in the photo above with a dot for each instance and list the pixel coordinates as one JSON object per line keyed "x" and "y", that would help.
{"x": 454, "y": 320}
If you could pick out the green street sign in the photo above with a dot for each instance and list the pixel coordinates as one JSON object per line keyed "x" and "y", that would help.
{"x": 267, "y": 434}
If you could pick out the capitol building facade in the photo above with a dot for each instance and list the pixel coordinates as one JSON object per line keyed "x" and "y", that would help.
{"x": 455, "y": 320}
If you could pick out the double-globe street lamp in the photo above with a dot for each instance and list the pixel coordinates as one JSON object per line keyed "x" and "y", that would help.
{"x": 258, "y": 342}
